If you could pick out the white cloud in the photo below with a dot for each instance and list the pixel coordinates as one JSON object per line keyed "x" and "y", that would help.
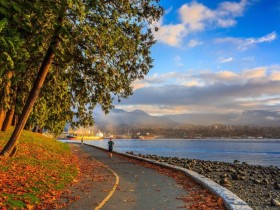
{"x": 226, "y": 75}
{"x": 194, "y": 43}
{"x": 225, "y": 60}
{"x": 232, "y": 8}
{"x": 197, "y": 17}
{"x": 254, "y": 73}
{"x": 223, "y": 91}
{"x": 249, "y": 59}
{"x": 192, "y": 83}
{"x": 178, "y": 61}
{"x": 243, "y": 44}
{"x": 275, "y": 76}
{"x": 226, "y": 23}
{"x": 139, "y": 84}
{"x": 171, "y": 34}
{"x": 194, "y": 15}
{"x": 268, "y": 38}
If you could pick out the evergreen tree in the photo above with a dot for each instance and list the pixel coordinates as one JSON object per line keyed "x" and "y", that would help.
{"x": 97, "y": 47}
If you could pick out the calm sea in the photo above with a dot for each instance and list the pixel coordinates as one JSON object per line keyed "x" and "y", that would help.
{"x": 253, "y": 151}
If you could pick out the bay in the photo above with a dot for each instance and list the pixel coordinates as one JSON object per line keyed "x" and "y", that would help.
{"x": 263, "y": 152}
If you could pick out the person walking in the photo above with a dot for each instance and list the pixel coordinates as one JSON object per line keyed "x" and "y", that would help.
{"x": 110, "y": 143}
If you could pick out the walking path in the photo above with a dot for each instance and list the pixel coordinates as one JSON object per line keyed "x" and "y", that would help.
{"x": 124, "y": 183}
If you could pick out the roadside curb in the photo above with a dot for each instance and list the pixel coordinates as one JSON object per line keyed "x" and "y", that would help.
{"x": 231, "y": 201}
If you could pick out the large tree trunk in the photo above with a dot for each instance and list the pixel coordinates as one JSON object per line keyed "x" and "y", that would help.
{"x": 7, "y": 85}
{"x": 8, "y": 119}
{"x": 10, "y": 148}
{"x": 10, "y": 114}
{"x": 2, "y": 116}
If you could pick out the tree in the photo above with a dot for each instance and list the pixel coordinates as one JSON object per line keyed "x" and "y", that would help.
{"x": 23, "y": 45}
{"x": 11, "y": 54}
{"x": 105, "y": 46}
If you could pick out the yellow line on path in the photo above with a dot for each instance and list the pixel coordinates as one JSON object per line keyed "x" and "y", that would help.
{"x": 112, "y": 191}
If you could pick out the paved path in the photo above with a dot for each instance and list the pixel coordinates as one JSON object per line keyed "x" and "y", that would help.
{"x": 139, "y": 187}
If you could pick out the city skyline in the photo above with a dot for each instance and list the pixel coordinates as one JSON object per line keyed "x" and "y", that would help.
{"x": 212, "y": 57}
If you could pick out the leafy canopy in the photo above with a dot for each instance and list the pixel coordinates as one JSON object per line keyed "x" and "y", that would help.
{"x": 104, "y": 47}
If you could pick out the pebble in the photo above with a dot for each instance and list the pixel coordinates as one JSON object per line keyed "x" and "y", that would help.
{"x": 225, "y": 182}
{"x": 265, "y": 181}
{"x": 256, "y": 181}
{"x": 275, "y": 202}
{"x": 277, "y": 186}
{"x": 236, "y": 177}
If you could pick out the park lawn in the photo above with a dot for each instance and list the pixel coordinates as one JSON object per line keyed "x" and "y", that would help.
{"x": 38, "y": 173}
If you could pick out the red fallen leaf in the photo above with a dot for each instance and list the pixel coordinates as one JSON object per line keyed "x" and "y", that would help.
{"x": 220, "y": 201}
{"x": 29, "y": 207}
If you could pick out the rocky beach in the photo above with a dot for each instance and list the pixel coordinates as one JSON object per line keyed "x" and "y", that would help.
{"x": 258, "y": 186}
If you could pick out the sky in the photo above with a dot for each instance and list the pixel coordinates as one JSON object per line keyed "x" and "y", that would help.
{"x": 212, "y": 57}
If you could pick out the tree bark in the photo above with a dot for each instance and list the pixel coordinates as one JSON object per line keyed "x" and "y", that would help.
{"x": 43, "y": 71}
{"x": 7, "y": 84}
{"x": 8, "y": 119}
{"x": 15, "y": 120}
{"x": 11, "y": 112}
{"x": 2, "y": 116}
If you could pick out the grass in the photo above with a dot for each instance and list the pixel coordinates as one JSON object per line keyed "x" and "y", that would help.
{"x": 35, "y": 177}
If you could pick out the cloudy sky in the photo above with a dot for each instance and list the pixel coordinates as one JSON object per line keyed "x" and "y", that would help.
{"x": 213, "y": 56}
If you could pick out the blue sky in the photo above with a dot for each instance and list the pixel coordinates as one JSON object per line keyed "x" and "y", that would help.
{"x": 212, "y": 57}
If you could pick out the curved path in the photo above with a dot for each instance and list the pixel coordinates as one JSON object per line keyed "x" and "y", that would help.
{"x": 139, "y": 187}
{"x": 125, "y": 185}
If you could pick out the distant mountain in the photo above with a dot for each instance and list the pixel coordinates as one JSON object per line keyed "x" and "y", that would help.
{"x": 259, "y": 118}
{"x": 203, "y": 118}
{"x": 249, "y": 117}
{"x": 139, "y": 118}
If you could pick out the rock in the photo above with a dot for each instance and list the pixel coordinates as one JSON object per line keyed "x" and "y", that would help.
{"x": 265, "y": 181}
{"x": 235, "y": 177}
{"x": 273, "y": 172}
{"x": 225, "y": 175}
{"x": 231, "y": 170}
{"x": 242, "y": 173}
{"x": 277, "y": 186}
{"x": 256, "y": 181}
{"x": 268, "y": 195}
{"x": 208, "y": 170}
{"x": 274, "y": 202}
{"x": 224, "y": 182}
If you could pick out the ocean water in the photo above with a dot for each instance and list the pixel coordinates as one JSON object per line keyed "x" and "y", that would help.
{"x": 264, "y": 152}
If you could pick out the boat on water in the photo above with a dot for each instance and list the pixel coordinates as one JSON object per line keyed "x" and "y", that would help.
{"x": 150, "y": 137}
{"x": 80, "y": 136}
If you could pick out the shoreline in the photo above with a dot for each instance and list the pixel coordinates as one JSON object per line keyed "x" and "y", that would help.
{"x": 258, "y": 186}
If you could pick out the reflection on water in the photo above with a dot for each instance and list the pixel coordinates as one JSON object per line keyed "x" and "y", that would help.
{"x": 256, "y": 152}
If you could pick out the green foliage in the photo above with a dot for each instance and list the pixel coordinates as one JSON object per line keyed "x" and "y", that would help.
{"x": 111, "y": 49}
{"x": 3, "y": 23}
{"x": 104, "y": 47}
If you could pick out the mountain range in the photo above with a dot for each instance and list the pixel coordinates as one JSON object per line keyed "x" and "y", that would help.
{"x": 139, "y": 118}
